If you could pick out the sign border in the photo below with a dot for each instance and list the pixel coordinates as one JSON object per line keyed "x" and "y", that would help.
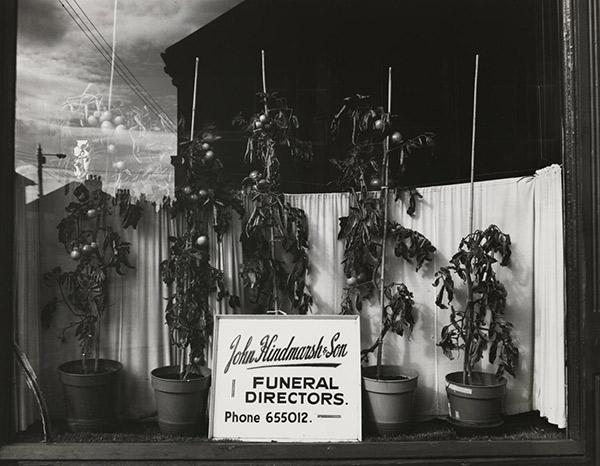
{"x": 215, "y": 339}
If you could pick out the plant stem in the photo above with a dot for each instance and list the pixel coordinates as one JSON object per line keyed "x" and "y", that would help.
{"x": 270, "y": 152}
{"x": 182, "y": 363}
{"x": 275, "y": 297}
{"x": 66, "y": 301}
{"x": 83, "y": 360}
{"x": 97, "y": 344}
{"x": 182, "y": 349}
{"x": 379, "y": 356}
{"x": 384, "y": 195}
{"x": 272, "y": 213}
{"x": 469, "y": 315}
{"x": 220, "y": 258}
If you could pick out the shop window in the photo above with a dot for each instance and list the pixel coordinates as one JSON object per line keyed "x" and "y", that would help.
{"x": 103, "y": 149}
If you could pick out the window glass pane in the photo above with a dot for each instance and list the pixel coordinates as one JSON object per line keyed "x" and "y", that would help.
{"x": 107, "y": 93}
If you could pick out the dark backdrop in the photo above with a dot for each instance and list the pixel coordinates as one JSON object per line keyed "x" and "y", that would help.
{"x": 319, "y": 52}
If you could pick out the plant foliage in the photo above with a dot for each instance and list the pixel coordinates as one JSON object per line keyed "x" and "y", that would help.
{"x": 202, "y": 200}
{"x": 204, "y": 194}
{"x": 398, "y": 314}
{"x": 270, "y": 131}
{"x": 275, "y": 236}
{"x": 376, "y": 154}
{"x": 97, "y": 250}
{"x": 480, "y": 324}
{"x": 367, "y": 127}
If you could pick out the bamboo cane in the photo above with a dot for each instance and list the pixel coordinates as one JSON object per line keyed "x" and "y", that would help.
{"x": 473, "y": 144}
{"x": 271, "y": 231}
{"x": 194, "y": 100}
{"x": 384, "y": 194}
{"x": 470, "y": 306}
{"x": 264, "y": 79}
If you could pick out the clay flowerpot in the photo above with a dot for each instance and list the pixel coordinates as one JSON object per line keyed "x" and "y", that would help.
{"x": 181, "y": 404}
{"x": 388, "y": 402}
{"x": 90, "y": 397}
{"x": 478, "y": 404}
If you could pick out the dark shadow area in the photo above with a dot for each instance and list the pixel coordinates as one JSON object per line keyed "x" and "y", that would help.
{"x": 320, "y": 52}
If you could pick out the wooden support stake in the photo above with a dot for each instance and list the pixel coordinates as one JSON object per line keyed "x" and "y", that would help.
{"x": 384, "y": 194}
{"x": 264, "y": 79}
{"x": 473, "y": 144}
{"x": 194, "y": 100}
{"x": 268, "y": 164}
{"x": 469, "y": 310}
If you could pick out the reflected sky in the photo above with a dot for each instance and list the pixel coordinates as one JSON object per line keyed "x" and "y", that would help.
{"x": 63, "y": 78}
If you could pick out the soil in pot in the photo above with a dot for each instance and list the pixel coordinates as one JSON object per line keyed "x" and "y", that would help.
{"x": 90, "y": 397}
{"x": 181, "y": 404}
{"x": 478, "y": 404}
{"x": 388, "y": 402}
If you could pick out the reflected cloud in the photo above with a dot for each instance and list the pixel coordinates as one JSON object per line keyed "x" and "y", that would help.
{"x": 63, "y": 80}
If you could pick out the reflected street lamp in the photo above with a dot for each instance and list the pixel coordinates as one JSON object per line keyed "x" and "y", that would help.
{"x": 41, "y": 160}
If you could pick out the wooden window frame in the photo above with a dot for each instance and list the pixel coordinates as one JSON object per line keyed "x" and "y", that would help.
{"x": 579, "y": 29}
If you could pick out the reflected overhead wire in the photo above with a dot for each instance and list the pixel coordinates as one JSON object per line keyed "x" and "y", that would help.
{"x": 123, "y": 65}
{"x": 98, "y": 46}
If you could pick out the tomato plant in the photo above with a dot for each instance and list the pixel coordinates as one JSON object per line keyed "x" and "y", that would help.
{"x": 97, "y": 250}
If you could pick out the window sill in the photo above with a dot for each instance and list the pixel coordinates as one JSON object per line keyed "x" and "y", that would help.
{"x": 570, "y": 451}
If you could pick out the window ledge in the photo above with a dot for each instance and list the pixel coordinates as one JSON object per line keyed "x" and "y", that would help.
{"x": 236, "y": 451}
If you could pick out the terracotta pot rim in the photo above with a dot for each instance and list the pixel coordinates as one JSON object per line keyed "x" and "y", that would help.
{"x": 178, "y": 386}
{"x": 501, "y": 382}
{"x": 155, "y": 373}
{"x": 408, "y": 373}
{"x": 111, "y": 366}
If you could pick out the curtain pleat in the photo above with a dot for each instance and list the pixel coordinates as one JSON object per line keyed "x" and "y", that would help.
{"x": 226, "y": 255}
{"x": 134, "y": 329}
{"x": 26, "y": 301}
{"x": 549, "y": 303}
{"x": 325, "y": 278}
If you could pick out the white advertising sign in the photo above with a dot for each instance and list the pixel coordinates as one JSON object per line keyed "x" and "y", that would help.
{"x": 286, "y": 378}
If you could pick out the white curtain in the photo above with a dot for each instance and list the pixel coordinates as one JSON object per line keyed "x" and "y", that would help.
{"x": 529, "y": 209}
{"x": 325, "y": 279}
{"x": 135, "y": 333}
{"x": 26, "y": 300}
{"x": 443, "y": 217}
{"x": 226, "y": 255}
{"x": 133, "y": 330}
{"x": 549, "y": 298}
